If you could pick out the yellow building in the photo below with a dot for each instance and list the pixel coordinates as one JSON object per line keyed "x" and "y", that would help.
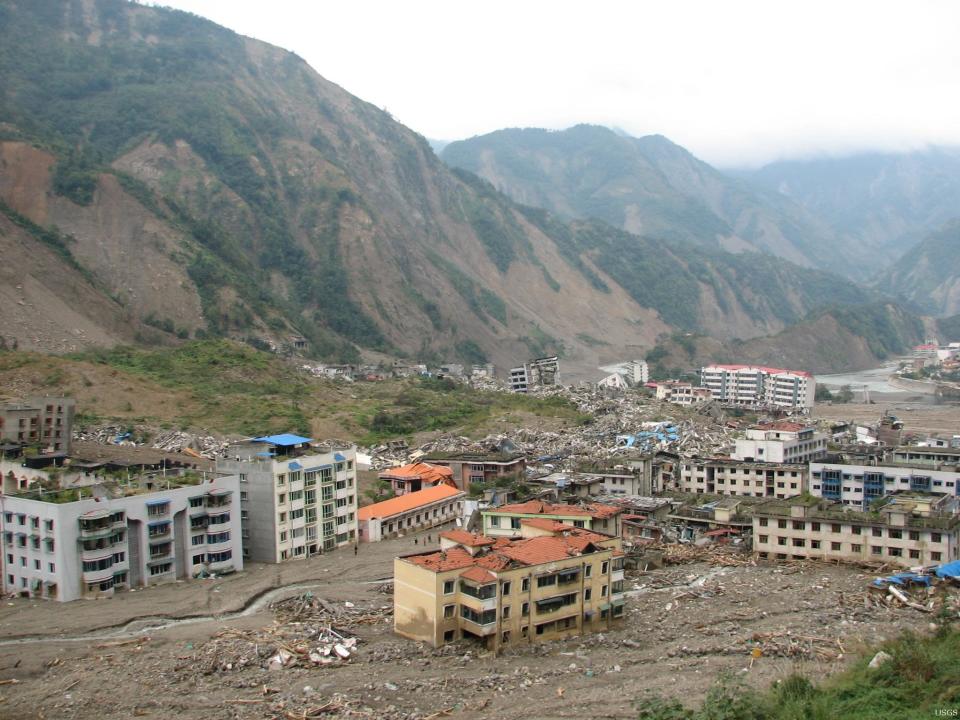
{"x": 554, "y": 581}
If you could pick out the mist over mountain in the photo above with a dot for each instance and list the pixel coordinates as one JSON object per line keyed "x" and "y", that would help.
{"x": 878, "y": 204}
{"x": 928, "y": 274}
{"x": 648, "y": 186}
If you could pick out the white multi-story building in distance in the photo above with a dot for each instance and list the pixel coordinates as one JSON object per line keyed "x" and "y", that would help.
{"x": 297, "y": 498}
{"x": 68, "y": 543}
{"x": 757, "y": 386}
{"x": 781, "y": 442}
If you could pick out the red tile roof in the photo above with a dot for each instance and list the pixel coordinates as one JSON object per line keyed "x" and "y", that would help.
{"x": 465, "y": 538}
{"x": 423, "y": 471}
{"x": 569, "y": 542}
{"x": 410, "y": 501}
{"x": 478, "y": 575}
{"x": 770, "y": 370}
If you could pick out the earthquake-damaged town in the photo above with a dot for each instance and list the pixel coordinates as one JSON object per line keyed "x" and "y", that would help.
{"x": 672, "y": 530}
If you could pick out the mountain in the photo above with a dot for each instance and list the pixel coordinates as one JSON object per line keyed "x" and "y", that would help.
{"x": 164, "y": 178}
{"x": 879, "y": 204}
{"x": 648, "y": 186}
{"x": 928, "y": 275}
{"x": 829, "y": 341}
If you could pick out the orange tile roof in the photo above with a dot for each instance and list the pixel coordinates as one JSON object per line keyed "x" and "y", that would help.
{"x": 424, "y": 471}
{"x": 410, "y": 501}
{"x": 465, "y": 538}
{"x": 478, "y": 575}
{"x": 544, "y": 523}
{"x": 452, "y": 559}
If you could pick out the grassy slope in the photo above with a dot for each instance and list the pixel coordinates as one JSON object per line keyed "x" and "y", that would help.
{"x": 922, "y": 677}
{"x": 225, "y": 387}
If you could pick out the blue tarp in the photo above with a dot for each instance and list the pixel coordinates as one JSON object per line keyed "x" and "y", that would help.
{"x": 284, "y": 439}
{"x": 949, "y": 570}
{"x": 338, "y": 457}
{"x": 295, "y": 465}
{"x": 904, "y": 578}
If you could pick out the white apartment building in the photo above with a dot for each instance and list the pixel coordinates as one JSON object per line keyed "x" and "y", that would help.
{"x": 723, "y": 476}
{"x": 910, "y": 530}
{"x": 65, "y": 544}
{"x": 859, "y": 485}
{"x": 781, "y": 442}
{"x": 682, "y": 393}
{"x": 297, "y": 499}
{"x": 758, "y": 386}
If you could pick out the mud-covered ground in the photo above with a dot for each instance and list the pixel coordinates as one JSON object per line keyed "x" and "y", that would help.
{"x": 684, "y": 625}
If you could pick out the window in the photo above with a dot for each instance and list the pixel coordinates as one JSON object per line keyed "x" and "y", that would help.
{"x": 196, "y": 501}
{"x": 515, "y": 523}
{"x": 914, "y": 535}
{"x": 448, "y": 586}
{"x": 281, "y": 479}
{"x": 198, "y": 539}
{"x": 815, "y": 544}
{"x": 603, "y": 591}
{"x": 876, "y": 549}
{"x": 877, "y": 532}
{"x": 494, "y": 520}
{"x": 545, "y": 580}
{"x": 505, "y": 612}
{"x": 525, "y": 609}
{"x": 895, "y": 551}
{"x": 935, "y": 537}
{"x": 935, "y": 556}
{"x": 781, "y": 524}
{"x": 505, "y": 588}
{"x": 587, "y": 592}
{"x": 855, "y": 529}
{"x": 282, "y": 517}
{"x": 604, "y": 567}
{"x": 525, "y": 585}
{"x": 283, "y": 536}
{"x": 449, "y": 635}
{"x": 763, "y": 522}
{"x": 815, "y": 526}
{"x": 856, "y": 548}
{"x": 835, "y": 546}
{"x": 51, "y": 567}
{"x": 449, "y": 611}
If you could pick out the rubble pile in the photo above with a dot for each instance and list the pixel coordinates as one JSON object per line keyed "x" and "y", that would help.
{"x": 308, "y": 632}
{"x": 174, "y": 441}
{"x": 619, "y": 424}
{"x": 716, "y": 555}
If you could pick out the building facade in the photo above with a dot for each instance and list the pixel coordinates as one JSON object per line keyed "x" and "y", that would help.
{"x": 43, "y": 422}
{"x": 553, "y": 582}
{"x": 860, "y": 485}
{"x": 909, "y": 530}
{"x": 416, "y": 476}
{"x": 297, "y": 499}
{"x": 507, "y": 520}
{"x": 781, "y": 442}
{"x": 472, "y": 468}
{"x": 57, "y": 546}
{"x": 682, "y": 393}
{"x": 410, "y": 513}
{"x": 723, "y": 476}
{"x": 758, "y": 386}
{"x": 535, "y": 373}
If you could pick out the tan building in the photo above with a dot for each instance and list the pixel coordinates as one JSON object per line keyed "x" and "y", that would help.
{"x": 472, "y": 468}
{"x": 911, "y": 529}
{"x": 410, "y": 512}
{"x": 553, "y": 582}
{"x": 42, "y": 422}
{"x": 682, "y": 393}
{"x": 724, "y": 476}
{"x": 506, "y": 520}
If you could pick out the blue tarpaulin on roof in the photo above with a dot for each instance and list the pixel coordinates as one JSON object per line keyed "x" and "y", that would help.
{"x": 295, "y": 465}
{"x": 284, "y": 439}
{"x": 951, "y": 569}
{"x": 338, "y": 457}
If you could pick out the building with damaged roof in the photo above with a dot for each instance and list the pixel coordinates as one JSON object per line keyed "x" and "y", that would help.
{"x": 554, "y": 581}
{"x": 505, "y": 520}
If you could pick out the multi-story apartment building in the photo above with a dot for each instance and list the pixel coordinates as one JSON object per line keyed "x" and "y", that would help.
{"x": 860, "y": 485}
{"x": 553, "y": 582}
{"x": 507, "y": 520}
{"x": 70, "y": 543}
{"x": 535, "y": 373}
{"x": 781, "y": 442}
{"x": 297, "y": 499}
{"x": 410, "y": 512}
{"x": 934, "y": 458}
{"x": 723, "y": 476}
{"x": 42, "y": 422}
{"x": 911, "y": 529}
{"x": 758, "y": 386}
{"x": 682, "y": 393}
{"x": 471, "y": 468}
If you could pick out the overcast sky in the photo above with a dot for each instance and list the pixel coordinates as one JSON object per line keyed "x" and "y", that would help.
{"x": 735, "y": 82}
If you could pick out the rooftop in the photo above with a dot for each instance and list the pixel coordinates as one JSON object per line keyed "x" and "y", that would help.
{"x": 470, "y": 456}
{"x": 422, "y": 471}
{"x": 567, "y": 541}
{"x": 284, "y": 439}
{"x": 763, "y": 368}
{"x": 410, "y": 501}
{"x": 467, "y": 539}
{"x": 818, "y": 509}
{"x": 537, "y": 507}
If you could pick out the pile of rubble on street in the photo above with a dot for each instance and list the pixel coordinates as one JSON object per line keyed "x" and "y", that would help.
{"x": 308, "y": 632}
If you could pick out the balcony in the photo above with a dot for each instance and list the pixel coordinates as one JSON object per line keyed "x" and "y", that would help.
{"x": 219, "y": 498}
{"x": 616, "y": 575}
{"x": 478, "y": 629}
{"x": 478, "y": 604}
